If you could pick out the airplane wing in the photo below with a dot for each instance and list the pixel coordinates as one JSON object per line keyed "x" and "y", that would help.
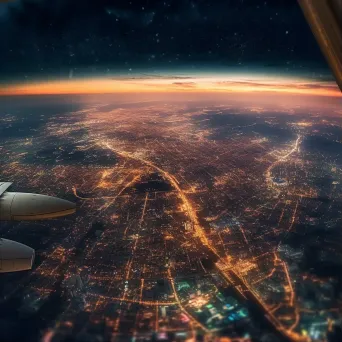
{"x": 325, "y": 20}
{"x": 4, "y": 186}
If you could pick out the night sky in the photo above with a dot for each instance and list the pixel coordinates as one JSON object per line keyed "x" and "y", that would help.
{"x": 58, "y": 38}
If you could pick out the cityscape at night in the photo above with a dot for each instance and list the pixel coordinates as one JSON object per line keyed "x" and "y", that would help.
{"x": 208, "y": 190}
{"x": 194, "y": 220}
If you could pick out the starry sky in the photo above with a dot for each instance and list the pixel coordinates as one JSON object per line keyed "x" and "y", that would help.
{"x": 63, "y": 39}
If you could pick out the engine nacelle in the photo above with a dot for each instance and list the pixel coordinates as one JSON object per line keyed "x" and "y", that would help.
{"x": 18, "y": 206}
{"x": 15, "y": 256}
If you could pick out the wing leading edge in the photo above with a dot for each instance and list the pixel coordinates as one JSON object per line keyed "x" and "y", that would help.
{"x": 4, "y": 186}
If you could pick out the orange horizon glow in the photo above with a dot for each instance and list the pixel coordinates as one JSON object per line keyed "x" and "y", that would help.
{"x": 173, "y": 85}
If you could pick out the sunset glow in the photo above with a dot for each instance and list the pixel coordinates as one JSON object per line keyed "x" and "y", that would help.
{"x": 219, "y": 84}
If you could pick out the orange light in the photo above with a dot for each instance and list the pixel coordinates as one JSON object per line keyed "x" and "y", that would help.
{"x": 224, "y": 84}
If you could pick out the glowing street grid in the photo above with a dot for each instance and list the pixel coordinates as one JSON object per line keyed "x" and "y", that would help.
{"x": 195, "y": 221}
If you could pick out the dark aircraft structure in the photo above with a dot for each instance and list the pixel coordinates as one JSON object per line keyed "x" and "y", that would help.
{"x": 325, "y": 20}
{"x": 18, "y": 206}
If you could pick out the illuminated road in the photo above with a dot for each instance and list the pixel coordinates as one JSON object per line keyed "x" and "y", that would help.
{"x": 227, "y": 272}
{"x": 198, "y": 231}
{"x": 282, "y": 159}
{"x": 246, "y": 291}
